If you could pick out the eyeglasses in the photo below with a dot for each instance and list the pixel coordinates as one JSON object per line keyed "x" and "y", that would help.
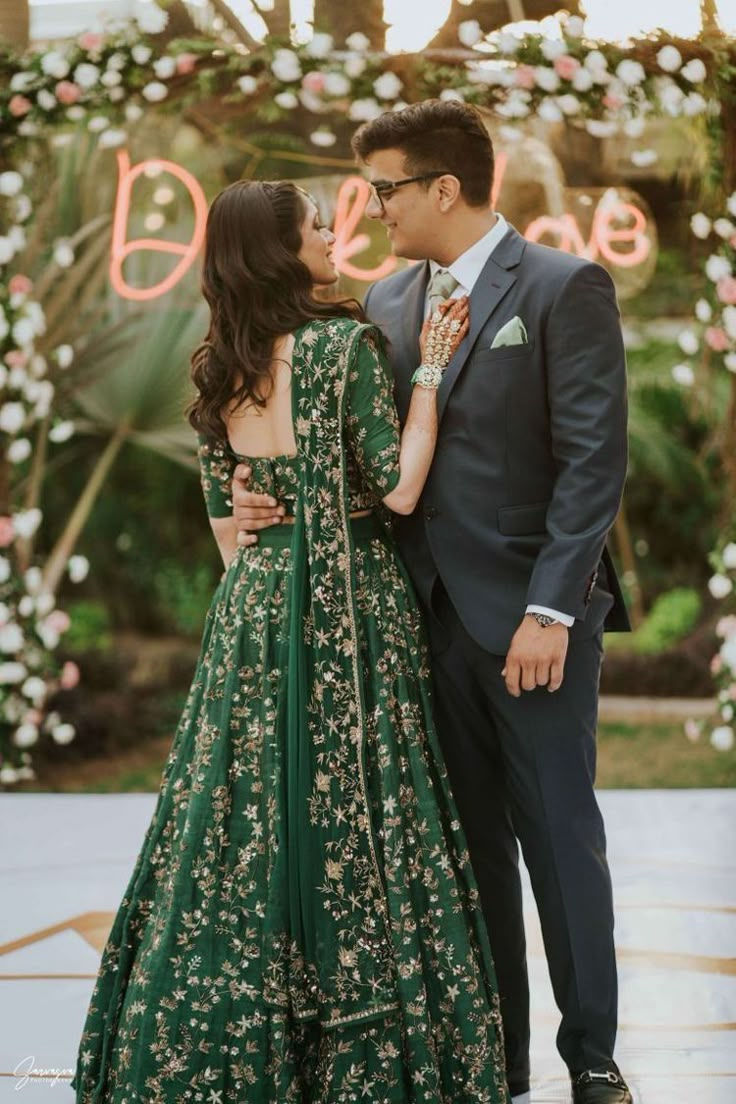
{"x": 384, "y": 189}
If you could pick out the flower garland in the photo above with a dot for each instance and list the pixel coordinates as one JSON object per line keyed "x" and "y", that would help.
{"x": 107, "y": 81}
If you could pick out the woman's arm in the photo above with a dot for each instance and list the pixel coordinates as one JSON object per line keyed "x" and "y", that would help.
{"x": 225, "y": 531}
{"x": 419, "y": 437}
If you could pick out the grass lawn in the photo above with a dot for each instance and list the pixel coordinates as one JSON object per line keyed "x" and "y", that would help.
{"x": 629, "y": 757}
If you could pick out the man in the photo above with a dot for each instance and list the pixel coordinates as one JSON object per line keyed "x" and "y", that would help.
{"x": 507, "y": 552}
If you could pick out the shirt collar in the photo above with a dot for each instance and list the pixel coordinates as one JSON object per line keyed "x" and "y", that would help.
{"x": 468, "y": 266}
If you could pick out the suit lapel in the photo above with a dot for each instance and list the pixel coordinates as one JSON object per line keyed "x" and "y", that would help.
{"x": 408, "y": 329}
{"x": 496, "y": 279}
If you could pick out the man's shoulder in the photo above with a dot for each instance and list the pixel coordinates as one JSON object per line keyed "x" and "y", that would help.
{"x": 557, "y": 266}
{"x": 393, "y": 285}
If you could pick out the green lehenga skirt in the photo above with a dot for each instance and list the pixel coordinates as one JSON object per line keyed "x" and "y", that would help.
{"x": 182, "y": 1012}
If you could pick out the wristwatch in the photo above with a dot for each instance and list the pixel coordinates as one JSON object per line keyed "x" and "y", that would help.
{"x": 544, "y": 619}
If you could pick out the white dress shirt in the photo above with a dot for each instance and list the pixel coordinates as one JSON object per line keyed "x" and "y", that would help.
{"x": 466, "y": 269}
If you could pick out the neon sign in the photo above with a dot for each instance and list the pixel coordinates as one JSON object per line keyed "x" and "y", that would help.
{"x": 620, "y": 233}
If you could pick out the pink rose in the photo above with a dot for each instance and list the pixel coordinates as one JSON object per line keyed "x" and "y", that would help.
{"x": 566, "y": 66}
{"x": 726, "y": 626}
{"x": 19, "y": 285}
{"x": 16, "y": 359}
{"x": 67, "y": 92}
{"x": 186, "y": 63}
{"x": 58, "y": 620}
{"x": 313, "y": 82}
{"x": 726, "y": 288}
{"x": 716, "y": 665}
{"x": 91, "y": 40}
{"x": 69, "y": 675}
{"x": 524, "y": 76}
{"x": 612, "y": 101}
{"x": 19, "y": 105}
{"x": 717, "y": 339}
{"x": 7, "y": 531}
{"x": 33, "y": 716}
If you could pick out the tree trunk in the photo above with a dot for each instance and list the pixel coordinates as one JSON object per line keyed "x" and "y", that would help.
{"x": 15, "y": 23}
{"x": 339, "y": 19}
{"x": 492, "y": 14}
{"x": 277, "y": 18}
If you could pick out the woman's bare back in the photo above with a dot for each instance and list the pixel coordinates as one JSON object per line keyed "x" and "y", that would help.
{"x": 258, "y": 431}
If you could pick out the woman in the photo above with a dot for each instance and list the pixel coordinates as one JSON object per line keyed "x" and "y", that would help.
{"x": 302, "y": 923}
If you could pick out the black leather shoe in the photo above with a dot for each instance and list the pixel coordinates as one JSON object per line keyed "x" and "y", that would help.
{"x": 600, "y": 1086}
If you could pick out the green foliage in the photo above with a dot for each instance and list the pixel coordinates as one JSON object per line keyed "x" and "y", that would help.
{"x": 91, "y": 627}
{"x": 673, "y": 615}
{"x": 184, "y": 595}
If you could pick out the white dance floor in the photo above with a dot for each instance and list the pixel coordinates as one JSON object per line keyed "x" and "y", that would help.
{"x": 66, "y": 860}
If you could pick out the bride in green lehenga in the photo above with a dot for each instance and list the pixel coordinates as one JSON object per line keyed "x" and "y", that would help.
{"x": 302, "y": 923}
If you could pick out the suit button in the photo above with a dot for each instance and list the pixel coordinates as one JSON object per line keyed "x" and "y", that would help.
{"x": 430, "y": 512}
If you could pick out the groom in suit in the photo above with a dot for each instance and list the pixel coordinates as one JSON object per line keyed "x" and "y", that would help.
{"x": 507, "y": 550}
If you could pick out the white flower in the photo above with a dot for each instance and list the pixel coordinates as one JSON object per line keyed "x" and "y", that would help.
{"x": 164, "y": 67}
{"x": 546, "y": 79}
{"x": 287, "y": 100}
{"x": 469, "y": 32}
{"x": 688, "y": 342}
{"x": 730, "y": 361}
{"x": 694, "y": 104}
{"x": 247, "y": 84}
{"x": 354, "y": 66}
{"x": 12, "y": 673}
{"x": 111, "y": 138}
{"x": 97, "y": 123}
{"x": 17, "y": 379}
{"x": 49, "y": 636}
{"x": 19, "y": 450}
{"x": 507, "y": 43}
{"x": 78, "y": 568}
{"x": 45, "y": 99}
{"x": 45, "y": 602}
{"x": 694, "y": 71}
{"x": 596, "y": 62}
{"x": 644, "y": 158}
{"x": 323, "y": 138}
{"x": 569, "y": 104}
{"x": 133, "y": 112}
{"x": 716, "y": 267}
{"x": 64, "y": 733}
{"x": 703, "y": 310}
{"x": 7, "y": 249}
{"x": 553, "y": 48}
{"x": 515, "y": 107}
{"x": 61, "y": 432}
{"x": 9, "y": 774}
{"x": 722, "y": 738}
{"x": 17, "y": 236}
{"x": 152, "y": 19}
{"x": 549, "y": 111}
{"x": 25, "y": 606}
{"x": 4, "y": 569}
{"x": 700, "y": 225}
{"x": 630, "y": 72}
{"x": 64, "y": 355}
{"x": 26, "y": 522}
{"x": 669, "y": 58}
{"x": 319, "y": 46}
{"x": 358, "y": 42}
{"x": 634, "y": 128}
{"x": 453, "y": 94}
{"x": 76, "y": 112}
{"x": 336, "y": 84}
{"x": 729, "y": 321}
{"x": 600, "y": 128}
{"x": 140, "y": 53}
{"x": 154, "y": 91}
{"x": 111, "y": 78}
{"x": 11, "y": 638}
{"x": 86, "y": 75}
{"x": 12, "y": 416}
{"x": 116, "y": 61}
{"x": 683, "y": 374}
{"x": 720, "y": 585}
{"x": 582, "y": 79}
{"x": 724, "y": 228}
{"x": 21, "y": 82}
{"x": 10, "y": 183}
{"x": 575, "y": 27}
{"x": 55, "y": 65}
{"x": 670, "y": 95}
{"x": 731, "y": 204}
{"x": 23, "y": 208}
{"x": 63, "y": 254}
{"x": 387, "y": 86}
{"x": 729, "y": 556}
{"x": 25, "y": 735}
{"x": 34, "y": 688}
{"x": 361, "y": 111}
{"x": 285, "y": 66}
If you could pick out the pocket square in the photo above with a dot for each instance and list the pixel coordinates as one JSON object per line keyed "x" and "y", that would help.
{"x": 512, "y": 333}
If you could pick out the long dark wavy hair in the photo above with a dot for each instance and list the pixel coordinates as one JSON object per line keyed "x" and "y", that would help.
{"x": 257, "y": 290}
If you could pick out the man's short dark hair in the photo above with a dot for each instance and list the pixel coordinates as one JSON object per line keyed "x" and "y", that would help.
{"x": 435, "y": 135}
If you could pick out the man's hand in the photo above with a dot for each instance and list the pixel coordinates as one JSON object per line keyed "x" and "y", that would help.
{"x": 252, "y": 511}
{"x": 536, "y": 657}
